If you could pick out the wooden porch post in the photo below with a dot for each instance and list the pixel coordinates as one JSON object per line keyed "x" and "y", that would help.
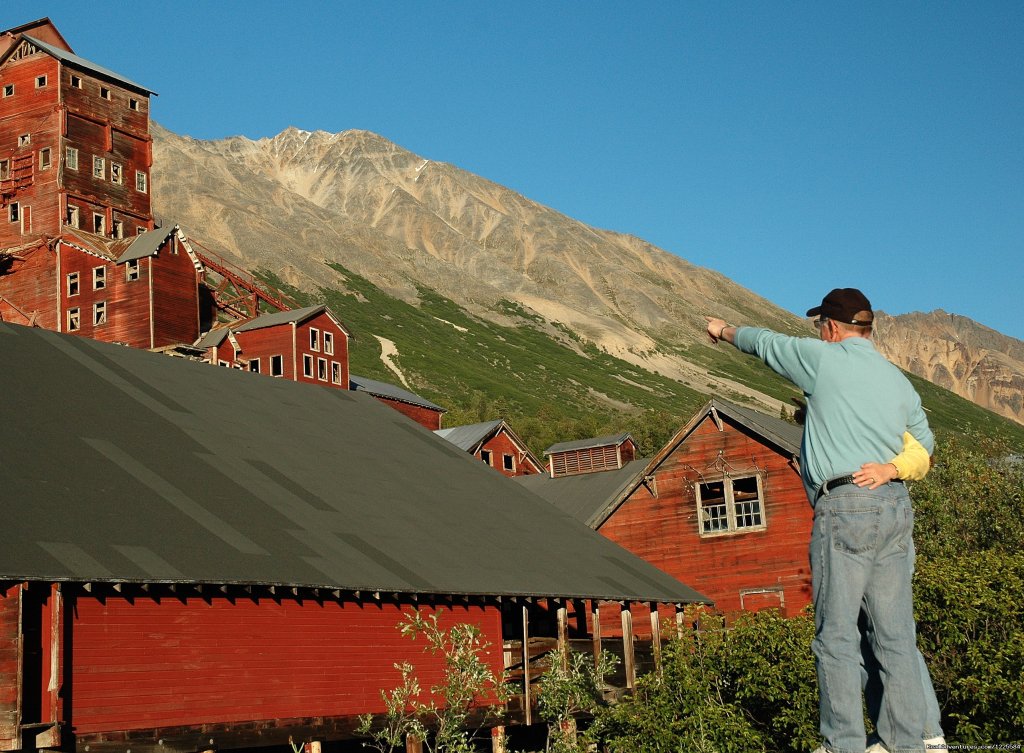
{"x": 563, "y": 632}
{"x": 627, "y": 645}
{"x": 527, "y": 702}
{"x": 595, "y": 620}
{"x": 656, "y": 635}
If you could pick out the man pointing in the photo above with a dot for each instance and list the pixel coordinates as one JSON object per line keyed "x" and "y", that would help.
{"x": 858, "y": 407}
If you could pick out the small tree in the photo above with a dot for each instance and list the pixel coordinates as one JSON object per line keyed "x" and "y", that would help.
{"x": 571, "y": 686}
{"x": 468, "y": 685}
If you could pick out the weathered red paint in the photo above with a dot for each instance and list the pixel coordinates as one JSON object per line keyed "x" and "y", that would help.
{"x": 502, "y": 450}
{"x": 145, "y": 663}
{"x": 741, "y": 570}
{"x": 425, "y": 417}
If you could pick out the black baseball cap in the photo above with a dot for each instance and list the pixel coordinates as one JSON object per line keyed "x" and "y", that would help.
{"x": 843, "y": 305}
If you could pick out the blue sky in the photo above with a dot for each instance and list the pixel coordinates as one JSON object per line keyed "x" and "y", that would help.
{"x": 792, "y": 146}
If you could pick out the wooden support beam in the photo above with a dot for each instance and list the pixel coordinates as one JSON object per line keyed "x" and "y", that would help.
{"x": 656, "y": 635}
{"x": 527, "y": 701}
{"x": 680, "y": 614}
{"x": 498, "y": 739}
{"x": 595, "y": 621}
{"x": 413, "y": 744}
{"x": 563, "y": 633}
{"x": 629, "y": 658}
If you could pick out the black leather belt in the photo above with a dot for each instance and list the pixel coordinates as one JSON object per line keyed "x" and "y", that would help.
{"x": 842, "y": 481}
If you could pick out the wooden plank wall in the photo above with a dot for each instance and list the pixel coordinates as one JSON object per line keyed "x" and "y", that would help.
{"x": 144, "y": 663}
{"x": 175, "y": 295}
{"x": 30, "y": 287}
{"x": 664, "y": 529}
{"x": 430, "y": 419}
{"x": 10, "y": 667}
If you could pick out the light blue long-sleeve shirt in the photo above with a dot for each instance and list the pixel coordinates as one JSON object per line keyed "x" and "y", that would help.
{"x": 858, "y": 404}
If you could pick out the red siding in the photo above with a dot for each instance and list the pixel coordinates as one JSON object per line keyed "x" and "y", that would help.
{"x": 30, "y": 288}
{"x": 664, "y": 529}
{"x": 426, "y": 417}
{"x": 501, "y": 445}
{"x": 175, "y": 295}
{"x": 146, "y": 663}
{"x": 10, "y": 664}
{"x": 30, "y": 111}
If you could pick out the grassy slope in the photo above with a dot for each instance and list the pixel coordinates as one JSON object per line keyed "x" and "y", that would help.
{"x": 544, "y": 387}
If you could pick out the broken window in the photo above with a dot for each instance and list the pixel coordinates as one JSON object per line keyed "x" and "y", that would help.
{"x": 115, "y": 173}
{"x": 140, "y": 181}
{"x": 329, "y": 343}
{"x": 14, "y": 212}
{"x": 72, "y": 283}
{"x": 508, "y": 462}
{"x": 98, "y": 167}
{"x": 76, "y": 81}
{"x": 485, "y": 455}
{"x": 314, "y": 338}
{"x": 133, "y": 104}
{"x": 335, "y": 372}
{"x": 72, "y": 216}
{"x": 74, "y": 320}
{"x": 730, "y": 505}
{"x": 105, "y": 92}
{"x": 99, "y": 224}
{"x": 8, "y": 90}
{"x": 25, "y": 139}
{"x": 277, "y": 366}
{"x": 131, "y": 271}
{"x": 99, "y": 278}
{"x": 44, "y": 159}
{"x": 254, "y": 365}
{"x": 99, "y": 313}
{"x": 307, "y": 366}
{"x": 40, "y": 82}
{"x": 117, "y": 229}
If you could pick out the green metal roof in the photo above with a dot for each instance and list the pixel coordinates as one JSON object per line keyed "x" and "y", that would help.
{"x": 124, "y": 465}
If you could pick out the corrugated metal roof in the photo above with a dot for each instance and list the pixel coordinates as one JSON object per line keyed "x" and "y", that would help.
{"x": 585, "y": 444}
{"x": 469, "y": 437}
{"x": 383, "y": 389}
{"x": 80, "y": 62}
{"x": 784, "y": 434}
{"x": 146, "y": 244}
{"x": 585, "y": 494}
{"x": 123, "y": 465}
{"x": 280, "y": 317}
{"x": 213, "y": 338}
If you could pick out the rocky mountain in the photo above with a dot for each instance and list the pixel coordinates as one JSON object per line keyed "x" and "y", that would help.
{"x": 300, "y": 202}
{"x": 959, "y": 354}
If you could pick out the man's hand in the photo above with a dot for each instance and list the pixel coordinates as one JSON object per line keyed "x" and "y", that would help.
{"x": 874, "y": 475}
{"x": 717, "y": 329}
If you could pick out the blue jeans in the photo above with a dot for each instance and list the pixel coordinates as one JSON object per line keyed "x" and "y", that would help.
{"x": 871, "y": 680}
{"x": 861, "y": 558}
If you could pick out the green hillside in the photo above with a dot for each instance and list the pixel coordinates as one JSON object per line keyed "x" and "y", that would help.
{"x": 554, "y": 386}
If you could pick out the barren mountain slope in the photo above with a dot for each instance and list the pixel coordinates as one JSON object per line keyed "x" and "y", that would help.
{"x": 294, "y": 202}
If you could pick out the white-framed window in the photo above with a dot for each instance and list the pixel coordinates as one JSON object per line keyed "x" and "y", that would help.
{"x": 40, "y": 82}
{"x": 307, "y": 366}
{"x": 133, "y": 104}
{"x": 73, "y": 216}
{"x": 76, "y": 81}
{"x": 141, "y": 182}
{"x": 25, "y": 139}
{"x": 71, "y": 158}
{"x": 117, "y": 229}
{"x": 131, "y": 271}
{"x": 99, "y": 278}
{"x": 730, "y": 505}
{"x": 277, "y": 366}
{"x": 328, "y": 343}
{"x": 321, "y": 369}
{"x": 74, "y": 320}
{"x": 14, "y": 212}
{"x": 73, "y": 283}
{"x": 335, "y": 372}
{"x": 314, "y": 338}
{"x": 508, "y": 462}
{"x": 99, "y": 224}
{"x": 99, "y": 313}
{"x": 8, "y": 90}
{"x": 105, "y": 93}
{"x": 254, "y": 365}
{"x": 116, "y": 173}
{"x": 45, "y": 161}
{"x": 487, "y": 457}
{"x": 99, "y": 167}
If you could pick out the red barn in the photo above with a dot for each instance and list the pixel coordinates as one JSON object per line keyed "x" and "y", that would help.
{"x": 304, "y": 345}
{"x": 720, "y": 507}
{"x": 496, "y": 445}
{"x": 203, "y": 559}
{"x": 419, "y": 409}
